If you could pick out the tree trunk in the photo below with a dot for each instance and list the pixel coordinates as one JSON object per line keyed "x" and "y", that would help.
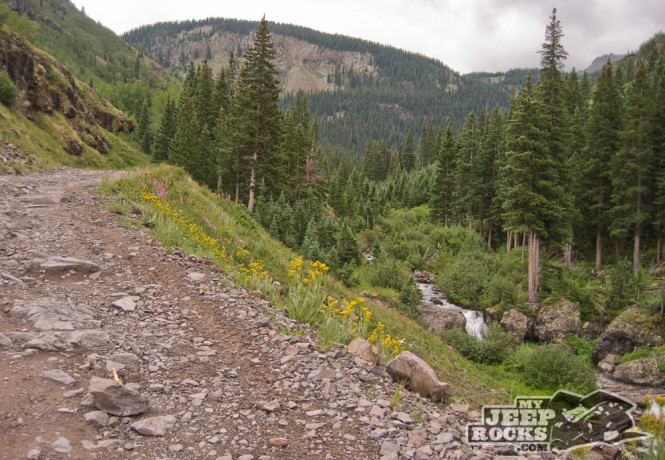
{"x": 238, "y": 186}
{"x": 524, "y": 243}
{"x": 509, "y": 240}
{"x": 534, "y": 262}
{"x": 638, "y": 229}
{"x": 599, "y": 250}
{"x": 568, "y": 255}
{"x": 252, "y": 184}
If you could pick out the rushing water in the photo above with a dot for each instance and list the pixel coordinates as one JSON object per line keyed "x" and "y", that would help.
{"x": 475, "y": 323}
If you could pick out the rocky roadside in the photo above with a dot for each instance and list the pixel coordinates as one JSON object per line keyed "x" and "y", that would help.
{"x": 209, "y": 370}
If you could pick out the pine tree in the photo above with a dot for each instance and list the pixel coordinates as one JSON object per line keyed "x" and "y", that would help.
{"x": 166, "y": 132}
{"x": 467, "y": 180}
{"x": 658, "y": 137}
{"x": 442, "y": 193}
{"x": 633, "y": 165}
{"x": 603, "y": 127}
{"x": 143, "y": 131}
{"x": 184, "y": 149}
{"x": 408, "y": 156}
{"x": 529, "y": 178}
{"x": 258, "y": 116}
{"x": 492, "y": 147}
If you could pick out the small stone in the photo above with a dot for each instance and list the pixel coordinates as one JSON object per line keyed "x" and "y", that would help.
{"x": 272, "y": 406}
{"x": 62, "y": 445}
{"x": 125, "y": 304}
{"x": 154, "y": 426}
{"x": 58, "y": 376}
{"x": 74, "y": 393}
{"x": 5, "y": 342}
{"x": 33, "y": 454}
{"x": 176, "y": 447}
{"x": 279, "y": 442}
{"x": 97, "y": 417}
{"x": 116, "y": 399}
{"x": 263, "y": 322}
{"x": 196, "y": 276}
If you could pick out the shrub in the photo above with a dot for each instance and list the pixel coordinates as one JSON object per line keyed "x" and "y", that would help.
{"x": 464, "y": 280}
{"x": 551, "y": 367}
{"x": 497, "y": 344}
{"x": 642, "y": 353}
{"x": 7, "y": 90}
{"x": 389, "y": 273}
{"x": 409, "y": 297}
{"x": 582, "y": 347}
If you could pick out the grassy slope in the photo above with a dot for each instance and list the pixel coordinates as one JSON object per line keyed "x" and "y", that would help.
{"x": 236, "y": 230}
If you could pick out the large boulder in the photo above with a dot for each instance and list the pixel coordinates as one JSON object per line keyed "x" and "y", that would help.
{"x": 632, "y": 329}
{"x": 516, "y": 322}
{"x": 442, "y": 318}
{"x": 418, "y": 376}
{"x": 556, "y": 320}
{"x": 116, "y": 399}
{"x": 640, "y": 372}
{"x": 364, "y": 350}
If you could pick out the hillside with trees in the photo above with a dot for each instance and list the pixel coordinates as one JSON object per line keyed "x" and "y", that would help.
{"x": 359, "y": 91}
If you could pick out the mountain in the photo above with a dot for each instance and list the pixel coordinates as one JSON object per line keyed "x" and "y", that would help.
{"x": 55, "y": 115}
{"x": 648, "y": 52}
{"x": 359, "y": 90}
{"x": 598, "y": 63}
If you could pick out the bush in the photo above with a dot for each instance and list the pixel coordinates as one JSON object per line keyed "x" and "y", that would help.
{"x": 464, "y": 280}
{"x": 495, "y": 347}
{"x": 551, "y": 367}
{"x": 409, "y": 297}
{"x": 582, "y": 347}
{"x": 7, "y": 90}
{"x": 389, "y": 273}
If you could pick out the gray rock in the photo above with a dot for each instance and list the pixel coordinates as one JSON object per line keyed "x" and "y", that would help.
{"x": 632, "y": 329}
{"x": 89, "y": 338}
{"x": 608, "y": 363}
{"x": 33, "y": 454}
{"x": 62, "y": 445}
{"x": 5, "y": 341}
{"x": 640, "y": 372}
{"x": 516, "y": 322}
{"x": 196, "y": 276}
{"x": 97, "y": 417}
{"x": 441, "y": 318}
{"x": 272, "y": 406}
{"x": 263, "y": 322}
{"x": 419, "y": 376}
{"x": 364, "y": 350}
{"x": 556, "y": 320}
{"x": 128, "y": 359}
{"x": 125, "y": 304}
{"x": 65, "y": 264}
{"x": 68, "y": 109}
{"x": 154, "y": 426}
{"x": 116, "y": 399}
{"x": 58, "y": 376}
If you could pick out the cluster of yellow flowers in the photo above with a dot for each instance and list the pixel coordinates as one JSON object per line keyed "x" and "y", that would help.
{"x": 198, "y": 235}
{"x": 380, "y": 338}
{"x": 331, "y": 308}
{"x": 653, "y": 419}
{"x": 318, "y": 269}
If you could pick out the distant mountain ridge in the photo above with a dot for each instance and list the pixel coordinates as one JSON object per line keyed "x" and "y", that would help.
{"x": 360, "y": 90}
{"x": 598, "y": 63}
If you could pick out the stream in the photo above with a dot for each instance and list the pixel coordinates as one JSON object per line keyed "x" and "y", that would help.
{"x": 475, "y": 323}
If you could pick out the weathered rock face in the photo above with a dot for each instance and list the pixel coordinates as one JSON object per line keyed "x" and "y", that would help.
{"x": 442, "y": 318}
{"x": 420, "y": 377}
{"x": 516, "y": 322}
{"x": 556, "y": 320}
{"x": 640, "y": 372}
{"x": 45, "y": 85}
{"x": 116, "y": 399}
{"x": 632, "y": 329}
{"x": 364, "y": 350}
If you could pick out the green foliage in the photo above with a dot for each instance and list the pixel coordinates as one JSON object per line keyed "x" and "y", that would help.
{"x": 388, "y": 272}
{"x": 642, "y": 353}
{"x": 466, "y": 277}
{"x": 410, "y": 296}
{"x": 496, "y": 346}
{"x": 583, "y": 348}
{"x": 7, "y": 90}
{"x": 536, "y": 364}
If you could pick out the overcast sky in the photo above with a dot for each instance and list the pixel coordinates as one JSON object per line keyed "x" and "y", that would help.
{"x": 467, "y": 35}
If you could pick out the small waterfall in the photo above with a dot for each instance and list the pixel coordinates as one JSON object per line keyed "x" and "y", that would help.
{"x": 475, "y": 323}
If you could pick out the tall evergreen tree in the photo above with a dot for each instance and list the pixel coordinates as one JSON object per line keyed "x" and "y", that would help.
{"x": 633, "y": 165}
{"x": 442, "y": 192}
{"x": 144, "y": 134}
{"x": 603, "y": 142}
{"x": 166, "y": 132}
{"x": 658, "y": 137}
{"x": 528, "y": 186}
{"x": 184, "y": 149}
{"x": 408, "y": 156}
{"x": 258, "y": 115}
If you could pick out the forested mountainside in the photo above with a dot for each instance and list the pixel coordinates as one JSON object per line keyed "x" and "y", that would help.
{"x": 360, "y": 91}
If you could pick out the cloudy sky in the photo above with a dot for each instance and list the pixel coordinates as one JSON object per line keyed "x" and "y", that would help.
{"x": 467, "y": 35}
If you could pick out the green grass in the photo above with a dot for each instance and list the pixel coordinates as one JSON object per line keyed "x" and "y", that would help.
{"x": 477, "y": 384}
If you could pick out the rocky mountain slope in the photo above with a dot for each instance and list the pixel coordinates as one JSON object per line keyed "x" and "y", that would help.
{"x": 209, "y": 370}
